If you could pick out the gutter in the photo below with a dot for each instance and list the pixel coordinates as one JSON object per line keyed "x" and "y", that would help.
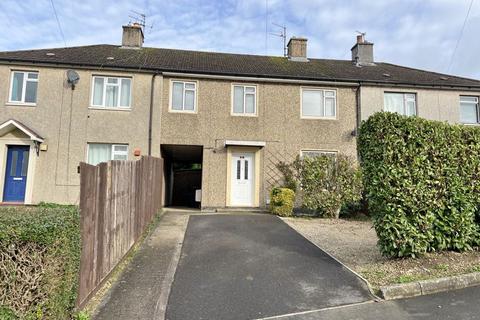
{"x": 150, "y": 113}
{"x": 259, "y": 79}
{"x": 419, "y": 86}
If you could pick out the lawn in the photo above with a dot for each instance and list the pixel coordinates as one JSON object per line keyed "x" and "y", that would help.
{"x": 353, "y": 242}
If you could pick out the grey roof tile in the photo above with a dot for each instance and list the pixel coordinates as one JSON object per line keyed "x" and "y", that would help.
{"x": 159, "y": 59}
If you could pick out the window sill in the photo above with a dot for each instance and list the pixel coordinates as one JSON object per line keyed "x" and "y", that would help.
{"x": 182, "y": 111}
{"x": 318, "y": 118}
{"x": 110, "y": 108}
{"x": 471, "y": 124}
{"x": 20, "y": 104}
{"x": 244, "y": 115}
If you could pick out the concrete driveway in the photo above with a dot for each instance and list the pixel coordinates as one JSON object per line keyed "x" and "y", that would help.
{"x": 254, "y": 266}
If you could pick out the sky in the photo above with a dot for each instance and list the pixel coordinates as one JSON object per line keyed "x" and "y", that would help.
{"x": 416, "y": 33}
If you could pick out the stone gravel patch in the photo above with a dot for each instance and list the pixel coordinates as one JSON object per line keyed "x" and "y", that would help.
{"x": 354, "y": 243}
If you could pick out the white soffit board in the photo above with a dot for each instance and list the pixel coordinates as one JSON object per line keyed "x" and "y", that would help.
{"x": 245, "y": 143}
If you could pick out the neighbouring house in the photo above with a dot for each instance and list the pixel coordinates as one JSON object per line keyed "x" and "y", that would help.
{"x": 222, "y": 122}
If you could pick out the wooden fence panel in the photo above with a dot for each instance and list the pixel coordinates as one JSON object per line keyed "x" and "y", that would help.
{"x": 118, "y": 200}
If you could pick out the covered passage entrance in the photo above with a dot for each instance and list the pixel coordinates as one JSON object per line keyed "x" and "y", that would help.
{"x": 183, "y": 175}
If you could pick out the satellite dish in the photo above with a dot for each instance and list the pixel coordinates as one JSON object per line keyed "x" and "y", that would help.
{"x": 72, "y": 78}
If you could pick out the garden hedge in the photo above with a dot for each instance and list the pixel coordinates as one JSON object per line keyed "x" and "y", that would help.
{"x": 422, "y": 183}
{"x": 39, "y": 261}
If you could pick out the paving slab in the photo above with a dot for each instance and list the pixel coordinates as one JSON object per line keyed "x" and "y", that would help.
{"x": 255, "y": 266}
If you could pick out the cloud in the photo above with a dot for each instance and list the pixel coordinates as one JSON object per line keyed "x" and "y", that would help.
{"x": 416, "y": 33}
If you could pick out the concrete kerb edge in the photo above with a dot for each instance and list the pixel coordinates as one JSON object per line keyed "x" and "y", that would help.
{"x": 162, "y": 302}
{"x": 367, "y": 284}
{"x": 425, "y": 287}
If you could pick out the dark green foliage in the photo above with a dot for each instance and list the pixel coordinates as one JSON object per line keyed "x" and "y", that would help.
{"x": 7, "y": 314}
{"x": 354, "y": 210}
{"x": 422, "y": 183}
{"x": 281, "y": 201}
{"x": 41, "y": 243}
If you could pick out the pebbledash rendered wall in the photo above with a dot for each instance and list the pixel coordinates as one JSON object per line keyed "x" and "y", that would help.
{"x": 278, "y": 123}
{"x": 66, "y": 121}
{"x": 432, "y": 104}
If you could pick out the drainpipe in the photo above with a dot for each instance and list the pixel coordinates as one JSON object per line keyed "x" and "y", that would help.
{"x": 150, "y": 115}
{"x": 359, "y": 115}
{"x": 359, "y": 107}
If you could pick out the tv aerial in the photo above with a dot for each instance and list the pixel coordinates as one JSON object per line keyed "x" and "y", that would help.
{"x": 282, "y": 34}
{"x": 140, "y": 18}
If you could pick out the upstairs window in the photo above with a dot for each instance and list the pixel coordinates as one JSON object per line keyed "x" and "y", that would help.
{"x": 402, "y": 103}
{"x": 183, "y": 96}
{"x": 110, "y": 92}
{"x": 244, "y": 100}
{"x": 469, "y": 111}
{"x": 318, "y": 103}
{"x": 23, "y": 88}
{"x": 103, "y": 152}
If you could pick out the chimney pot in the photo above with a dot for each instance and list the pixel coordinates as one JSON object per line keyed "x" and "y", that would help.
{"x": 297, "y": 49}
{"x": 132, "y": 36}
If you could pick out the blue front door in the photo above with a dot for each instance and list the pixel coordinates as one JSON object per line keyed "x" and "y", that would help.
{"x": 16, "y": 174}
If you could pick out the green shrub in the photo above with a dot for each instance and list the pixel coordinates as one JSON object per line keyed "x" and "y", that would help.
{"x": 281, "y": 201}
{"x": 39, "y": 261}
{"x": 326, "y": 183}
{"x": 7, "y": 314}
{"x": 422, "y": 183}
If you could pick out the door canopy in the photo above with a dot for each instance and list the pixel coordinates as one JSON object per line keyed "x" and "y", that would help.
{"x": 11, "y": 124}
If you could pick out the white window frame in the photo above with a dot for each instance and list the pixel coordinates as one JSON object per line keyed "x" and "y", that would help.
{"x": 319, "y": 151}
{"x": 405, "y": 100}
{"x": 477, "y": 108}
{"x": 170, "y": 107}
{"x": 118, "y": 84}
{"x": 113, "y": 152}
{"x": 119, "y": 153}
{"x": 302, "y": 89}
{"x": 24, "y": 87}
{"x": 244, "y": 114}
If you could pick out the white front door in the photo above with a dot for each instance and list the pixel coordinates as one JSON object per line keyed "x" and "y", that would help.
{"x": 243, "y": 180}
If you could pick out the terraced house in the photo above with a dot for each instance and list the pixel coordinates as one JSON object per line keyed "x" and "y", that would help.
{"x": 222, "y": 122}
